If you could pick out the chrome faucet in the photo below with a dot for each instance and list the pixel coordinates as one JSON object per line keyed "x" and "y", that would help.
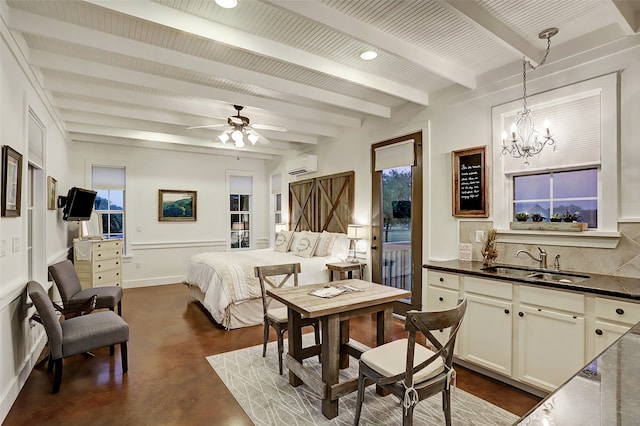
{"x": 556, "y": 263}
{"x": 542, "y": 260}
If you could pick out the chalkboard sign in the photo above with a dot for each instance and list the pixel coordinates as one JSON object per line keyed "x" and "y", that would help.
{"x": 470, "y": 189}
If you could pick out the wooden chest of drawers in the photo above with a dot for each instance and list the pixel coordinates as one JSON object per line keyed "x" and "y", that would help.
{"x": 98, "y": 262}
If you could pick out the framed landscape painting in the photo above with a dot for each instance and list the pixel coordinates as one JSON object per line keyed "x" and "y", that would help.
{"x": 176, "y": 205}
{"x": 11, "y": 182}
{"x": 52, "y": 192}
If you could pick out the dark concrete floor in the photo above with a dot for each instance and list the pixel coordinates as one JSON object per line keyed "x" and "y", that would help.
{"x": 169, "y": 381}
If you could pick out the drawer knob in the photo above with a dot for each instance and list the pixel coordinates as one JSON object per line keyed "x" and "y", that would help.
{"x": 520, "y": 314}
{"x": 99, "y": 277}
{"x": 99, "y": 265}
{"x": 441, "y": 279}
{"x": 598, "y": 332}
{"x": 441, "y": 299}
{"x": 620, "y": 311}
{"x": 506, "y": 311}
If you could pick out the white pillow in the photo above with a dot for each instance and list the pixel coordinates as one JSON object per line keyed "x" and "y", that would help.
{"x": 306, "y": 244}
{"x": 283, "y": 241}
{"x": 340, "y": 247}
{"x": 325, "y": 244}
{"x": 295, "y": 240}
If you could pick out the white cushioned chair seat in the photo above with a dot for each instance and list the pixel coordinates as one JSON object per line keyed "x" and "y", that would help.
{"x": 391, "y": 359}
{"x": 278, "y": 314}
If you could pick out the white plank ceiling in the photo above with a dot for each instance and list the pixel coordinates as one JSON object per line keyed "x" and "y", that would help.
{"x": 142, "y": 72}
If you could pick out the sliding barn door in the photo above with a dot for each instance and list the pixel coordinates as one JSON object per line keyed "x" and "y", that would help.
{"x": 322, "y": 204}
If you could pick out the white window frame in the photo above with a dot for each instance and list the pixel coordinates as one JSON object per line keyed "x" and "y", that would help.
{"x": 607, "y": 235}
{"x": 124, "y": 201}
{"x": 251, "y": 230}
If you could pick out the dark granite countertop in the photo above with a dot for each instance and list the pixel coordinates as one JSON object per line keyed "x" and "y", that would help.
{"x": 605, "y": 392}
{"x": 608, "y": 285}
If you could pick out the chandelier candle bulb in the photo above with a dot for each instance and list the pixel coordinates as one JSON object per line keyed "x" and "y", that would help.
{"x": 547, "y": 127}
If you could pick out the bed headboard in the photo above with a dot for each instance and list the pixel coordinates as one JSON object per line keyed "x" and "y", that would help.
{"x": 322, "y": 204}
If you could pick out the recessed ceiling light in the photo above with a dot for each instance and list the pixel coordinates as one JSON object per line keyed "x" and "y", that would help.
{"x": 369, "y": 55}
{"x": 227, "y": 4}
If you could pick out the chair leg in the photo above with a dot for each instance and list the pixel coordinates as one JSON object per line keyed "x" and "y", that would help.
{"x": 360, "y": 399}
{"x": 407, "y": 416}
{"x": 280, "y": 350}
{"x": 446, "y": 406}
{"x": 265, "y": 339}
{"x": 112, "y": 350}
{"x": 120, "y": 308}
{"x": 123, "y": 356}
{"x": 49, "y": 363}
{"x": 57, "y": 375}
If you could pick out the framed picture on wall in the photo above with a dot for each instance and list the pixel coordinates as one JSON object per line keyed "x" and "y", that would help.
{"x": 470, "y": 186}
{"x": 11, "y": 182}
{"x": 52, "y": 192}
{"x": 176, "y": 205}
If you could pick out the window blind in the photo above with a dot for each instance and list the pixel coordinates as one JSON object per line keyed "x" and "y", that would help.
{"x": 576, "y": 129}
{"x": 108, "y": 177}
{"x": 240, "y": 185}
{"x": 276, "y": 184}
{"x": 396, "y": 155}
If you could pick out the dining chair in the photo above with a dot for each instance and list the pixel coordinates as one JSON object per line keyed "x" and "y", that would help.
{"x": 66, "y": 279}
{"x": 77, "y": 335}
{"x": 425, "y": 372}
{"x": 276, "y": 276}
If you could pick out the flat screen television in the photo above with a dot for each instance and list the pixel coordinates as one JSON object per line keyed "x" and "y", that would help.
{"x": 79, "y": 204}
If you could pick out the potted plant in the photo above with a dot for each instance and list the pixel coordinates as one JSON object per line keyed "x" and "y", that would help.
{"x": 570, "y": 217}
{"x": 522, "y": 216}
{"x": 537, "y": 217}
{"x": 555, "y": 218}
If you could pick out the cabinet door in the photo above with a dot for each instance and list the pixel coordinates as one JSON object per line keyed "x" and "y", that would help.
{"x": 486, "y": 336}
{"x": 605, "y": 334}
{"x": 550, "y": 346}
{"x": 439, "y": 299}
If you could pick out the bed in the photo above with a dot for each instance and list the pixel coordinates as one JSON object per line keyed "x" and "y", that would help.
{"x": 319, "y": 208}
{"x": 225, "y": 285}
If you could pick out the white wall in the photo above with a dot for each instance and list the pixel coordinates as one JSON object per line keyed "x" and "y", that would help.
{"x": 158, "y": 252}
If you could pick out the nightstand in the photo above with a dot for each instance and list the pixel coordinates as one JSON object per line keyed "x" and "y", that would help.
{"x": 346, "y": 269}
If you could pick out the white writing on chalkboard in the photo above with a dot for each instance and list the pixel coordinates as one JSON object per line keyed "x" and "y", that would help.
{"x": 470, "y": 181}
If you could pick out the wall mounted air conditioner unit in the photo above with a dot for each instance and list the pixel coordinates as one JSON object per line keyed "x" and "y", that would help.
{"x": 302, "y": 165}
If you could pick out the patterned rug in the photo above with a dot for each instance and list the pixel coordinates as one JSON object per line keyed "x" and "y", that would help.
{"x": 268, "y": 399}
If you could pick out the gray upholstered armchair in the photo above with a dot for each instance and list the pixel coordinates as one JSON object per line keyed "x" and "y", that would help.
{"x": 77, "y": 335}
{"x": 68, "y": 283}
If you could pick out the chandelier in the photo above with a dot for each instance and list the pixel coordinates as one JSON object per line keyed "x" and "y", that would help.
{"x": 238, "y": 135}
{"x": 524, "y": 140}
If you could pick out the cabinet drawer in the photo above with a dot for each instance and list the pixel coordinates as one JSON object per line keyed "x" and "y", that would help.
{"x": 439, "y": 299}
{"x": 106, "y": 265}
{"x": 561, "y": 300}
{"x": 106, "y": 253}
{"x": 100, "y": 278}
{"x": 500, "y": 289}
{"x": 442, "y": 279}
{"x": 617, "y": 310}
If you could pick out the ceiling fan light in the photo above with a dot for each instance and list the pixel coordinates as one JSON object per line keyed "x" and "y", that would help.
{"x": 239, "y": 143}
{"x": 227, "y": 4}
{"x": 224, "y": 137}
{"x": 236, "y": 135}
{"x": 253, "y": 138}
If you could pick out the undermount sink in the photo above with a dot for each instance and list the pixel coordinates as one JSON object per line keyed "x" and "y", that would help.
{"x": 536, "y": 274}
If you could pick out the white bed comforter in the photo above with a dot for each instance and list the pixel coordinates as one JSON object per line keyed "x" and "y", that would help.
{"x": 227, "y": 277}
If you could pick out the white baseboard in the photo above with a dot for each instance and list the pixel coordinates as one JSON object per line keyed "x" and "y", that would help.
{"x": 12, "y": 390}
{"x": 150, "y": 282}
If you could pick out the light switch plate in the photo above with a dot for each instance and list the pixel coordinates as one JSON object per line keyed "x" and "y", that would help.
{"x": 3, "y": 248}
{"x": 15, "y": 244}
{"x": 479, "y": 236}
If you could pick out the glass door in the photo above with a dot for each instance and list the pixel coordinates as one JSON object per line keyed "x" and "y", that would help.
{"x": 396, "y": 249}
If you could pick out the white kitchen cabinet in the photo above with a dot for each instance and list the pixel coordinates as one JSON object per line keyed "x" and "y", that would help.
{"x": 486, "y": 338}
{"x": 613, "y": 318}
{"x": 550, "y": 346}
{"x": 442, "y": 294}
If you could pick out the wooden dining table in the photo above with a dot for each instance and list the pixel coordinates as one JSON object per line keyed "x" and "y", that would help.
{"x": 336, "y": 347}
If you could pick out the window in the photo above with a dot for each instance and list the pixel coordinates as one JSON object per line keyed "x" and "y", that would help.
{"x": 109, "y": 182}
{"x": 558, "y": 193}
{"x": 240, "y": 194}
{"x": 277, "y": 207}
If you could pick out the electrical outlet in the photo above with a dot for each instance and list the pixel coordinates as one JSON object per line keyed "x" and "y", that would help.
{"x": 138, "y": 265}
{"x": 15, "y": 243}
{"x": 479, "y": 236}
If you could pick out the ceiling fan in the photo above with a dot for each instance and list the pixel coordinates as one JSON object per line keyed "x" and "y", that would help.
{"x": 240, "y": 130}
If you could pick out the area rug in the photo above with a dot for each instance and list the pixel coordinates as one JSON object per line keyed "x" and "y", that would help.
{"x": 268, "y": 399}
